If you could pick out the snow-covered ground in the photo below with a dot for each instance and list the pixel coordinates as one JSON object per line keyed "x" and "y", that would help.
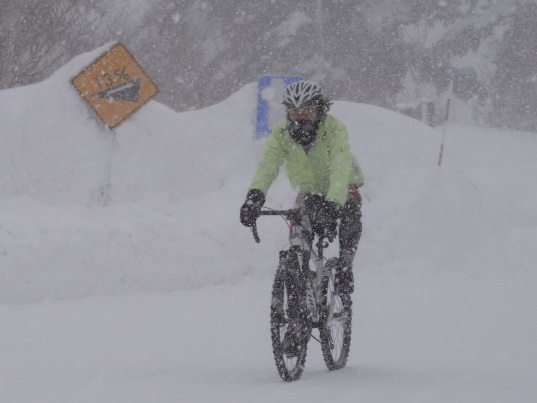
{"x": 125, "y": 275}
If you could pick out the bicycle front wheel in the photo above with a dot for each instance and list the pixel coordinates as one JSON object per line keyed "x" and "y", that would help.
{"x": 335, "y": 326}
{"x": 289, "y": 324}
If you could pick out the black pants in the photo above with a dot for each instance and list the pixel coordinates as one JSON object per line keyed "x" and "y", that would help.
{"x": 350, "y": 227}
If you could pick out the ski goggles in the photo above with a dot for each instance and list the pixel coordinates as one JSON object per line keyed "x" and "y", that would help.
{"x": 307, "y": 112}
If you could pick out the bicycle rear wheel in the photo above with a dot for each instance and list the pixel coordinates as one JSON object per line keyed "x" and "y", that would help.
{"x": 335, "y": 326}
{"x": 289, "y": 323}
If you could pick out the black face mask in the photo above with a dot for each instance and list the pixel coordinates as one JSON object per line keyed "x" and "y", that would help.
{"x": 303, "y": 131}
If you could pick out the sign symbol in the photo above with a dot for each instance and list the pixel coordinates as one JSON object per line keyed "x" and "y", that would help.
{"x": 121, "y": 74}
{"x": 115, "y": 76}
{"x": 129, "y": 92}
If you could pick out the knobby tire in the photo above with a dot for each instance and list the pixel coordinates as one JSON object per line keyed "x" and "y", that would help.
{"x": 288, "y": 309}
{"x": 335, "y": 331}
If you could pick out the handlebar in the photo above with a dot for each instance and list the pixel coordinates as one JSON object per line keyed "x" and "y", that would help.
{"x": 291, "y": 214}
{"x": 294, "y": 215}
{"x": 255, "y": 234}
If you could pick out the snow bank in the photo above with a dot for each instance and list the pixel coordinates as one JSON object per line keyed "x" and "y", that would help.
{"x": 154, "y": 205}
{"x": 88, "y": 211}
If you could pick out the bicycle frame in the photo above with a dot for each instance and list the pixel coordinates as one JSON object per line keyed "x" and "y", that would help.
{"x": 301, "y": 248}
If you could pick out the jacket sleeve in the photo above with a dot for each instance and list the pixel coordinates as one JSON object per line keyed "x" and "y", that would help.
{"x": 340, "y": 163}
{"x": 359, "y": 173}
{"x": 271, "y": 161}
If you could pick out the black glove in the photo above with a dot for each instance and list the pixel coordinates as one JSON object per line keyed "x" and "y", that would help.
{"x": 323, "y": 215}
{"x": 252, "y": 206}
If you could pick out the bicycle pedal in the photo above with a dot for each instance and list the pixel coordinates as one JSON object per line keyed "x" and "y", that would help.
{"x": 332, "y": 263}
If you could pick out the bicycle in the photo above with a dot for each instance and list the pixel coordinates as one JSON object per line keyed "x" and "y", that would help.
{"x": 303, "y": 299}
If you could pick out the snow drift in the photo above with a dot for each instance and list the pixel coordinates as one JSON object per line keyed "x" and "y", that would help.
{"x": 154, "y": 205}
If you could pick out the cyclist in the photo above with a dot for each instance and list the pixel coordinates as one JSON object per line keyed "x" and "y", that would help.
{"x": 319, "y": 164}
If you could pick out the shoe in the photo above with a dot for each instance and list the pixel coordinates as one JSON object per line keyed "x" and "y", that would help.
{"x": 332, "y": 263}
{"x": 290, "y": 344}
{"x": 344, "y": 280}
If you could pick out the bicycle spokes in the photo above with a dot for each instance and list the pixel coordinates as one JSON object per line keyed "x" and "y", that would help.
{"x": 335, "y": 329}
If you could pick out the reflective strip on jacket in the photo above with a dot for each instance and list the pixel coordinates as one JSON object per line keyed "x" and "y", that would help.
{"x": 328, "y": 168}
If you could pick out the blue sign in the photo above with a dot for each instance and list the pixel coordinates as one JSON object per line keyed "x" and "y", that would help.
{"x": 269, "y": 102}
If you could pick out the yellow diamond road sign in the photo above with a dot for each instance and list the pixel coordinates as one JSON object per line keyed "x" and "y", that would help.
{"x": 115, "y": 85}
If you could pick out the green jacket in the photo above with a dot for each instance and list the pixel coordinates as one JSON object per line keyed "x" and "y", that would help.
{"x": 328, "y": 168}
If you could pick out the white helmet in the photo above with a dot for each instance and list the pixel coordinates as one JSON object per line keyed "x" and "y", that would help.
{"x": 302, "y": 93}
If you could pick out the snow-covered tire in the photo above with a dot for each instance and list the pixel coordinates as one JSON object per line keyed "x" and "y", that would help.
{"x": 335, "y": 326}
{"x": 288, "y": 295}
